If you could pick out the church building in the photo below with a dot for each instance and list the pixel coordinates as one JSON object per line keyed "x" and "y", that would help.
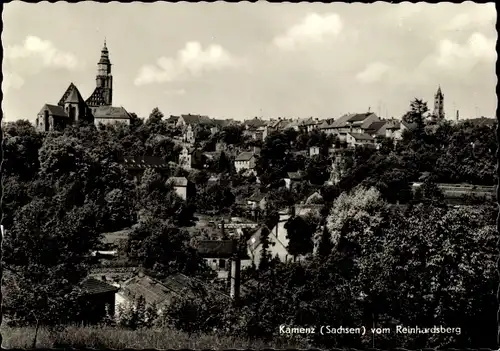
{"x": 73, "y": 108}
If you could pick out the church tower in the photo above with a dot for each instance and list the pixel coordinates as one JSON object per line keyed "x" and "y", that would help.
{"x": 103, "y": 93}
{"x": 439, "y": 104}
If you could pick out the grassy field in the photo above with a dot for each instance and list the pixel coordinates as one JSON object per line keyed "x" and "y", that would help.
{"x": 116, "y": 338}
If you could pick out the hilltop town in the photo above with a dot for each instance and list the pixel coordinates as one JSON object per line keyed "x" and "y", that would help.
{"x": 213, "y": 225}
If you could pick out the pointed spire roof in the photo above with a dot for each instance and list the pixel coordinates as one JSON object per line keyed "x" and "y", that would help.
{"x": 439, "y": 93}
{"x": 104, "y": 54}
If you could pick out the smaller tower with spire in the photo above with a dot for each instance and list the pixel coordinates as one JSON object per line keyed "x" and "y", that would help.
{"x": 439, "y": 104}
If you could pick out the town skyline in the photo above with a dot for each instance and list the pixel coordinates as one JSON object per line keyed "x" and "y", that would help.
{"x": 283, "y": 71}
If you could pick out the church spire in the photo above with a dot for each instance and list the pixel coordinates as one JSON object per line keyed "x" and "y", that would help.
{"x": 439, "y": 93}
{"x": 439, "y": 104}
{"x": 103, "y": 94}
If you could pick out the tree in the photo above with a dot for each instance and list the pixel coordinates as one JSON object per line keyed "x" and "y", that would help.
{"x": 155, "y": 116}
{"x": 135, "y": 121}
{"x": 299, "y": 234}
{"x": 21, "y": 145}
{"x": 232, "y": 135}
{"x": 416, "y": 115}
{"x": 223, "y": 163}
{"x": 47, "y": 255}
{"x": 325, "y": 245}
{"x": 216, "y": 198}
{"x": 158, "y": 199}
{"x": 265, "y": 256}
{"x": 275, "y": 157}
{"x": 163, "y": 248}
{"x": 317, "y": 169}
{"x": 447, "y": 257}
{"x": 430, "y": 192}
{"x": 356, "y": 213}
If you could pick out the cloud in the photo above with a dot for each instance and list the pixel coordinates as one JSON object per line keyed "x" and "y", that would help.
{"x": 43, "y": 51}
{"x": 11, "y": 81}
{"x": 192, "y": 60}
{"x": 455, "y": 56}
{"x": 373, "y": 72}
{"x": 314, "y": 28}
{"x": 175, "y": 92}
{"x": 481, "y": 15}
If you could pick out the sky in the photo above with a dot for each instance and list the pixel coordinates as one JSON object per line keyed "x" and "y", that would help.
{"x": 241, "y": 60}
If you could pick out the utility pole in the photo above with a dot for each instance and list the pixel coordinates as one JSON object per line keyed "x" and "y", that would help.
{"x": 235, "y": 272}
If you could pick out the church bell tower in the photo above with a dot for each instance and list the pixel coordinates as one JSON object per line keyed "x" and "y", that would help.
{"x": 104, "y": 79}
{"x": 439, "y": 104}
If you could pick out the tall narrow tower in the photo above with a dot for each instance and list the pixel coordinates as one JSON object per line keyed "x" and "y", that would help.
{"x": 439, "y": 104}
{"x": 103, "y": 93}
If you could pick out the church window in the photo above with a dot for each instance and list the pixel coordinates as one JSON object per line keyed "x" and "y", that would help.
{"x": 46, "y": 120}
{"x": 72, "y": 113}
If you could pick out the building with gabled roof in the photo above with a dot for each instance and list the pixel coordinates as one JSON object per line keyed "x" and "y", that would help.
{"x": 136, "y": 165}
{"x": 359, "y": 139}
{"x": 161, "y": 293}
{"x": 180, "y": 185}
{"x": 98, "y": 300}
{"x": 245, "y": 160}
{"x": 72, "y": 108}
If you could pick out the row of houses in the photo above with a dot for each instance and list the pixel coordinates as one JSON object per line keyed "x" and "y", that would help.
{"x": 353, "y": 128}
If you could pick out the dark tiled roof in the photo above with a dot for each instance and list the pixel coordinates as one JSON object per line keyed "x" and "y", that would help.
{"x": 342, "y": 121}
{"x": 74, "y": 96}
{"x": 172, "y": 118}
{"x": 258, "y": 196}
{"x": 295, "y": 175}
{"x": 196, "y": 119}
{"x": 314, "y": 198}
{"x": 310, "y": 121}
{"x": 178, "y": 181}
{"x": 244, "y": 156}
{"x": 111, "y": 112}
{"x": 97, "y": 98}
{"x": 358, "y": 117}
{"x": 361, "y": 136}
{"x": 153, "y": 291}
{"x": 215, "y": 248}
{"x": 115, "y": 237}
{"x": 482, "y": 121}
{"x": 254, "y": 123}
{"x": 93, "y": 286}
{"x": 325, "y": 125}
{"x": 142, "y": 162}
{"x": 393, "y": 125}
{"x": 54, "y": 110}
{"x": 254, "y": 240}
{"x": 375, "y": 126}
{"x": 409, "y": 126}
{"x": 66, "y": 94}
{"x": 220, "y": 122}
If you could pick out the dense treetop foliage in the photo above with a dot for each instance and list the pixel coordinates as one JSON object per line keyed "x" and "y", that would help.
{"x": 368, "y": 260}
